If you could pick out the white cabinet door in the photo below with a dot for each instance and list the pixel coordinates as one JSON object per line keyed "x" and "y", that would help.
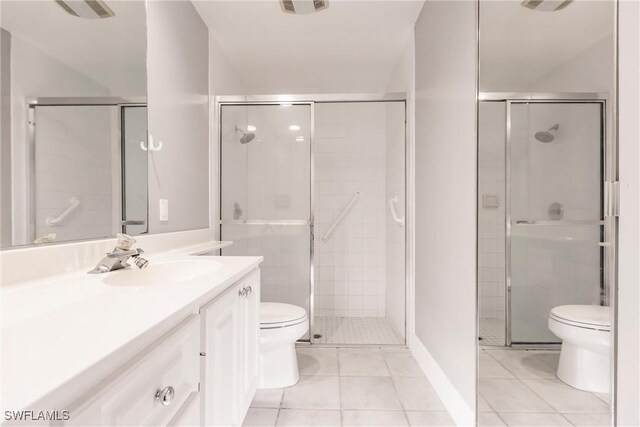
{"x": 249, "y": 344}
{"x": 189, "y": 413}
{"x": 221, "y": 367}
{"x": 149, "y": 389}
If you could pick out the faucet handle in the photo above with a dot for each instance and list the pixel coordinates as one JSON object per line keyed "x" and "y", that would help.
{"x": 124, "y": 241}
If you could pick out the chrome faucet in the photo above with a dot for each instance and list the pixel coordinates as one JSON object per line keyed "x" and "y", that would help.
{"x": 117, "y": 259}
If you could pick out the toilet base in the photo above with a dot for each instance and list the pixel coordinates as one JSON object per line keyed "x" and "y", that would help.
{"x": 584, "y": 369}
{"x": 278, "y": 365}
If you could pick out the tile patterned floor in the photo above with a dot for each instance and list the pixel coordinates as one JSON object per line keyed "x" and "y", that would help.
{"x": 352, "y": 387}
{"x": 520, "y": 388}
{"x": 355, "y": 330}
{"x": 492, "y": 332}
{"x": 385, "y": 387}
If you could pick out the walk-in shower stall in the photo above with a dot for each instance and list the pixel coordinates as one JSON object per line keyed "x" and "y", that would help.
{"x": 316, "y": 185}
{"x": 542, "y": 167}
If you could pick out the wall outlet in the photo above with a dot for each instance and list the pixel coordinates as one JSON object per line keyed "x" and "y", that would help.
{"x": 164, "y": 210}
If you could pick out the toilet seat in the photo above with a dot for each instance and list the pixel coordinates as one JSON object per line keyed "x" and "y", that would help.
{"x": 278, "y": 315}
{"x": 592, "y": 317}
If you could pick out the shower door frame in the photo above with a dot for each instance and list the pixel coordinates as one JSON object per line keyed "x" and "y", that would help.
{"x": 77, "y": 101}
{"x": 311, "y": 100}
{"x": 608, "y": 190}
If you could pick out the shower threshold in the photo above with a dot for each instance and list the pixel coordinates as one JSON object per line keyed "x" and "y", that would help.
{"x": 355, "y": 331}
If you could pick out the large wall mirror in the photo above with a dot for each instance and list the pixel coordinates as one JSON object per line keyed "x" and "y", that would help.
{"x": 74, "y": 120}
{"x": 546, "y": 242}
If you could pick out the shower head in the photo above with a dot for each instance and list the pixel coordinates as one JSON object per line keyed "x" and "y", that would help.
{"x": 246, "y": 137}
{"x": 547, "y": 135}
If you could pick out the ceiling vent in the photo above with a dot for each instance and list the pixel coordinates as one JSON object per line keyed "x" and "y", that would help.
{"x": 90, "y": 9}
{"x": 546, "y": 5}
{"x": 303, "y": 7}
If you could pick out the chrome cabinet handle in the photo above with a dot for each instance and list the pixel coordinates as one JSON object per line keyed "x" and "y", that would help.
{"x": 245, "y": 292}
{"x": 165, "y": 396}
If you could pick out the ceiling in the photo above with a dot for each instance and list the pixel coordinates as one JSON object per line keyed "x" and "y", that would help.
{"x": 111, "y": 51}
{"x": 518, "y": 46}
{"x": 353, "y": 46}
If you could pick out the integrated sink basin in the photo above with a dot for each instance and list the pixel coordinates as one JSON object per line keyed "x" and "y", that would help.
{"x": 163, "y": 273}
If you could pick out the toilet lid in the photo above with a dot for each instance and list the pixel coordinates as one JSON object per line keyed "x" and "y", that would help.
{"x": 276, "y": 314}
{"x": 586, "y": 316}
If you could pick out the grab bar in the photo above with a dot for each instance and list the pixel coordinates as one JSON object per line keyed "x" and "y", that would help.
{"x": 558, "y": 222}
{"x": 74, "y": 203}
{"x": 265, "y": 222}
{"x": 340, "y": 217}
{"x": 392, "y": 207}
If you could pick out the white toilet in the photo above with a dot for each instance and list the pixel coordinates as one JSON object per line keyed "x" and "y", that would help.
{"x": 586, "y": 345}
{"x": 281, "y": 325}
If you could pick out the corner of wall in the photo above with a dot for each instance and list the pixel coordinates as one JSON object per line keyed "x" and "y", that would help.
{"x": 462, "y": 414}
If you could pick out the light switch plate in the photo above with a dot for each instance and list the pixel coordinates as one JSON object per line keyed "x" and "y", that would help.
{"x": 164, "y": 210}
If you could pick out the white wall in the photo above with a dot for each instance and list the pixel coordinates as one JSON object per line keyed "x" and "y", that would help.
{"x": 5, "y": 139}
{"x": 445, "y": 254}
{"x": 528, "y": 51}
{"x": 628, "y": 385}
{"x": 178, "y": 96}
{"x": 589, "y": 71}
{"x": 349, "y": 155}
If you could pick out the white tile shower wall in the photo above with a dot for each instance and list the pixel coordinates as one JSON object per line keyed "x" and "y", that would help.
{"x": 491, "y": 218}
{"x": 73, "y": 158}
{"x": 349, "y": 156}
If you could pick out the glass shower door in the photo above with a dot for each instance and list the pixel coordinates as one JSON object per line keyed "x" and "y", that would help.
{"x": 266, "y": 194}
{"x": 555, "y": 175}
{"x": 135, "y": 205}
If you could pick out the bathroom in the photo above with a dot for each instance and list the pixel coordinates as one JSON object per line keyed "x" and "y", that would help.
{"x": 330, "y": 212}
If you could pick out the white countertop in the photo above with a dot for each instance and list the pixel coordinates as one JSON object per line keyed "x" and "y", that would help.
{"x": 61, "y": 333}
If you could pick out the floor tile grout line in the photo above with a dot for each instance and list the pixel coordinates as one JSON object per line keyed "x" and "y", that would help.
{"x": 525, "y": 378}
{"x": 568, "y": 420}
{"x": 393, "y": 383}
{"x": 539, "y": 378}
{"x": 487, "y": 402}
{"x": 339, "y": 386}
{"x": 501, "y": 419}
{"x": 538, "y": 394}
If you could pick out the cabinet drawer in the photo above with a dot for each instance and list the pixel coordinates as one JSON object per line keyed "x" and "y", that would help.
{"x": 152, "y": 387}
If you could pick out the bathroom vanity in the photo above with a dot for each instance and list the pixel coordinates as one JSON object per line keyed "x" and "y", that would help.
{"x": 174, "y": 344}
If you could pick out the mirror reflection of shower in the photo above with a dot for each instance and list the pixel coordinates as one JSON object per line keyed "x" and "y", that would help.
{"x": 547, "y": 135}
{"x": 237, "y": 211}
{"x": 246, "y": 137}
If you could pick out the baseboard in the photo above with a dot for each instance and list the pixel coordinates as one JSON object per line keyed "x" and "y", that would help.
{"x": 461, "y": 413}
